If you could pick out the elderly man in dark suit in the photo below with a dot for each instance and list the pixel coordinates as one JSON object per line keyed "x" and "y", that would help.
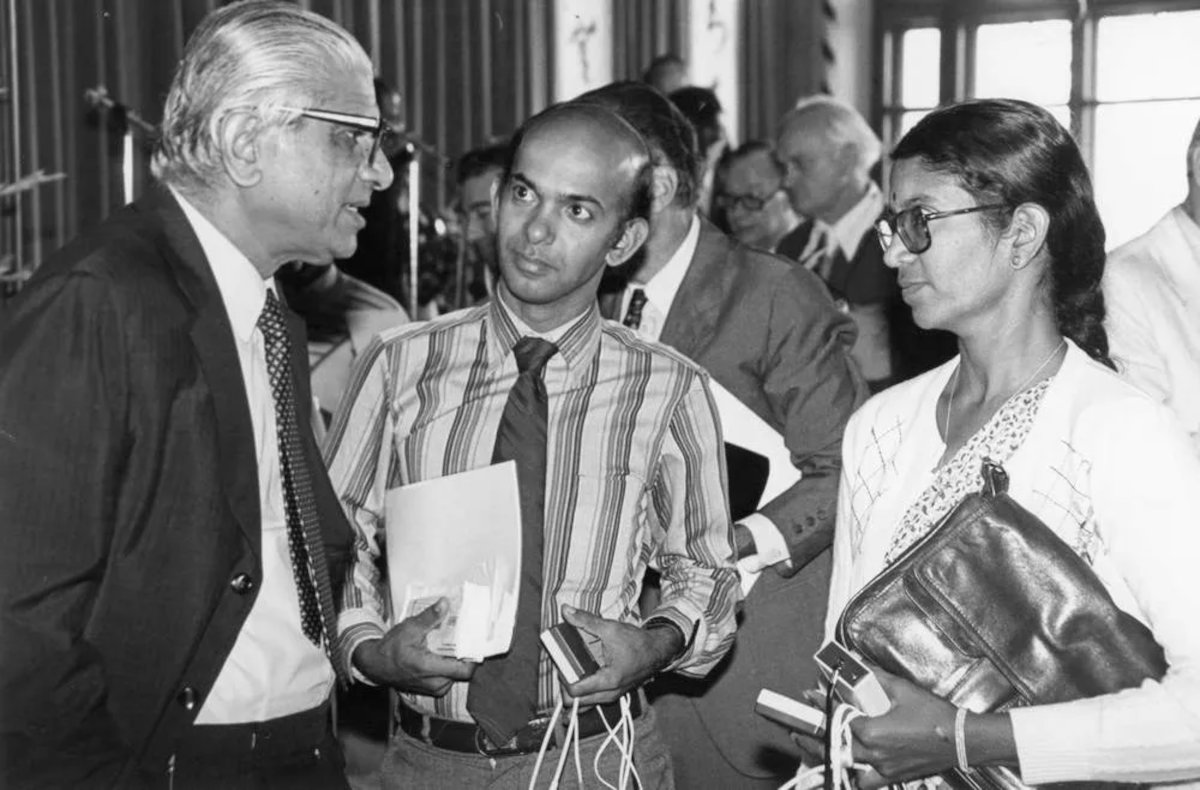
{"x": 768, "y": 332}
{"x": 827, "y": 150}
{"x": 170, "y": 546}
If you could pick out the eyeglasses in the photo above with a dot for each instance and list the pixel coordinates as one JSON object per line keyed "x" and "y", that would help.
{"x": 748, "y": 202}
{"x": 913, "y": 225}
{"x": 383, "y": 136}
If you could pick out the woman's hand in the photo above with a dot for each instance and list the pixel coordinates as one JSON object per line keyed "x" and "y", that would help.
{"x": 913, "y": 740}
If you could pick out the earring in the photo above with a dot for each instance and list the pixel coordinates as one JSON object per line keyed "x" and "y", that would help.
{"x": 1016, "y": 261}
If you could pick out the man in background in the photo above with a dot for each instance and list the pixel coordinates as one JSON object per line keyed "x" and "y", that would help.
{"x": 1152, "y": 294}
{"x": 753, "y": 198}
{"x": 477, "y": 174}
{"x": 667, "y": 73}
{"x": 827, "y": 150}
{"x": 766, "y": 331}
{"x": 171, "y": 547}
{"x": 618, "y": 468}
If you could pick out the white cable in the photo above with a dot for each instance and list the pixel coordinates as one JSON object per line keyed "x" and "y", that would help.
{"x": 537, "y": 765}
{"x": 572, "y": 736}
{"x": 841, "y": 756}
{"x": 622, "y": 736}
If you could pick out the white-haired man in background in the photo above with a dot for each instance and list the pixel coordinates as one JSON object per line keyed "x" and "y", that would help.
{"x": 827, "y": 150}
{"x": 1152, "y": 294}
{"x": 172, "y": 548}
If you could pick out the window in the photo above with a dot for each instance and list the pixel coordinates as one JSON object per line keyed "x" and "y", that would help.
{"x": 1121, "y": 74}
{"x": 1147, "y": 105}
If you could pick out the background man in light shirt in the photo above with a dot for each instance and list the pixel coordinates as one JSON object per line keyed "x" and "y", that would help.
{"x": 1152, "y": 293}
{"x": 171, "y": 546}
{"x": 767, "y": 331}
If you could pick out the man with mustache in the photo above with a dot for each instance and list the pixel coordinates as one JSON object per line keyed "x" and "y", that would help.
{"x": 626, "y": 474}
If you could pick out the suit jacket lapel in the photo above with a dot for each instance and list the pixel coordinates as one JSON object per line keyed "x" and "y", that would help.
{"x": 696, "y": 309}
{"x": 212, "y": 336}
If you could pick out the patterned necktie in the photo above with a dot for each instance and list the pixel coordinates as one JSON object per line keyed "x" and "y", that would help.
{"x": 633, "y": 315}
{"x": 503, "y": 692}
{"x": 305, "y": 542}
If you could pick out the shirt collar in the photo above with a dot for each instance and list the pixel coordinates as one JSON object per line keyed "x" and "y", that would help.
{"x": 577, "y": 340}
{"x": 242, "y": 288}
{"x": 858, "y": 221}
{"x": 664, "y": 285}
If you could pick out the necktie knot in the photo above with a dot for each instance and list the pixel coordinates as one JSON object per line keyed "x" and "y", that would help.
{"x": 533, "y": 353}
{"x": 633, "y": 314}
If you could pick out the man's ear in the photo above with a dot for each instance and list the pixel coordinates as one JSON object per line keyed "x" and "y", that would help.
{"x": 664, "y": 184}
{"x": 1027, "y": 233}
{"x": 240, "y": 135}
{"x": 632, "y": 237}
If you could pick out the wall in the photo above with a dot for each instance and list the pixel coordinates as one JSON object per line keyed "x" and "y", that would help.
{"x": 470, "y": 71}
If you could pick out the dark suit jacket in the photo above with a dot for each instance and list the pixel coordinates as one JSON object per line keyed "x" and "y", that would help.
{"x": 129, "y": 503}
{"x": 768, "y": 332}
{"x": 866, "y": 280}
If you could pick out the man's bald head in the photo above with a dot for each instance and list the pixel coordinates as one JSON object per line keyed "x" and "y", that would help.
{"x": 603, "y": 131}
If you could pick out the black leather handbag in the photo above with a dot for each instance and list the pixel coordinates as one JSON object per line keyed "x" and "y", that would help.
{"x": 991, "y": 610}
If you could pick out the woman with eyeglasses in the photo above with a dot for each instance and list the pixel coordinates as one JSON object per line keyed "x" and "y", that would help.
{"x": 994, "y": 236}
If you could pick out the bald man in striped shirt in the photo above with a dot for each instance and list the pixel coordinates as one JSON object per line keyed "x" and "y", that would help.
{"x": 634, "y": 467}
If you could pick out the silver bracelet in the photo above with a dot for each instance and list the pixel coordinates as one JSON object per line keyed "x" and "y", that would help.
{"x": 960, "y": 738}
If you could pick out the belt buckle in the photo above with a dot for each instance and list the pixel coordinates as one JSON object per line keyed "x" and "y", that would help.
{"x": 513, "y": 746}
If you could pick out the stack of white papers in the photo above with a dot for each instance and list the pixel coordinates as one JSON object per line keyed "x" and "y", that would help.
{"x": 458, "y": 537}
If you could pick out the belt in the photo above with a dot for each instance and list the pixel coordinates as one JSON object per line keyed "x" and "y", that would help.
{"x": 468, "y": 737}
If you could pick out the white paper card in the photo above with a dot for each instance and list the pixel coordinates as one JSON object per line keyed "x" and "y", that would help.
{"x": 743, "y": 427}
{"x": 459, "y": 537}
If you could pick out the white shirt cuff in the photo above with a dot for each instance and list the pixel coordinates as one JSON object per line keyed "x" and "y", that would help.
{"x": 770, "y": 547}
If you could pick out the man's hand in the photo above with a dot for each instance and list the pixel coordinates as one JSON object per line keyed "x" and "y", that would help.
{"x": 402, "y": 660}
{"x": 630, "y": 656}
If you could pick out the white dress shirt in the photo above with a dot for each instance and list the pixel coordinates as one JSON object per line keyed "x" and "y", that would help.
{"x": 273, "y": 669}
{"x": 660, "y": 292}
{"x": 856, "y": 223}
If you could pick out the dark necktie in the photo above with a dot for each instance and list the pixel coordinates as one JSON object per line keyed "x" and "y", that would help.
{"x": 633, "y": 315}
{"x": 503, "y": 692}
{"x": 305, "y": 542}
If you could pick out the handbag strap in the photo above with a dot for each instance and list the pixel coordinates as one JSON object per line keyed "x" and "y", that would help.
{"x": 994, "y": 443}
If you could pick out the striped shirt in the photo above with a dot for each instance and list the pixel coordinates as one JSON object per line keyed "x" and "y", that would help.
{"x": 636, "y": 472}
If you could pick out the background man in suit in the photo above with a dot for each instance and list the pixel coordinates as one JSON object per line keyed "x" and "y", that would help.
{"x": 170, "y": 546}
{"x": 827, "y": 150}
{"x": 753, "y": 198}
{"x": 767, "y": 331}
{"x": 618, "y": 467}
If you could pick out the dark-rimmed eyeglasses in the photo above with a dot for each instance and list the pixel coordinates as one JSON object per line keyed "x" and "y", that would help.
{"x": 383, "y": 136}
{"x": 727, "y": 201}
{"x": 913, "y": 225}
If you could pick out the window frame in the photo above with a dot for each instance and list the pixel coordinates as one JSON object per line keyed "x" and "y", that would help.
{"x": 958, "y": 21}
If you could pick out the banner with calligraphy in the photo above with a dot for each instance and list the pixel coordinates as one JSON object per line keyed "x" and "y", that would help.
{"x": 583, "y": 46}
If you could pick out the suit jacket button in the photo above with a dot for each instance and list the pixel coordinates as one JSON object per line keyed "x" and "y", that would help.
{"x": 188, "y": 698}
{"x": 242, "y": 583}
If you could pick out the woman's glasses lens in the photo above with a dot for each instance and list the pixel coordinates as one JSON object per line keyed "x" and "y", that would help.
{"x": 910, "y": 224}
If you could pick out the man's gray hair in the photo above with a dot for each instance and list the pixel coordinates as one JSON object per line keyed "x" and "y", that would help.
{"x": 255, "y": 55}
{"x": 838, "y": 123}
